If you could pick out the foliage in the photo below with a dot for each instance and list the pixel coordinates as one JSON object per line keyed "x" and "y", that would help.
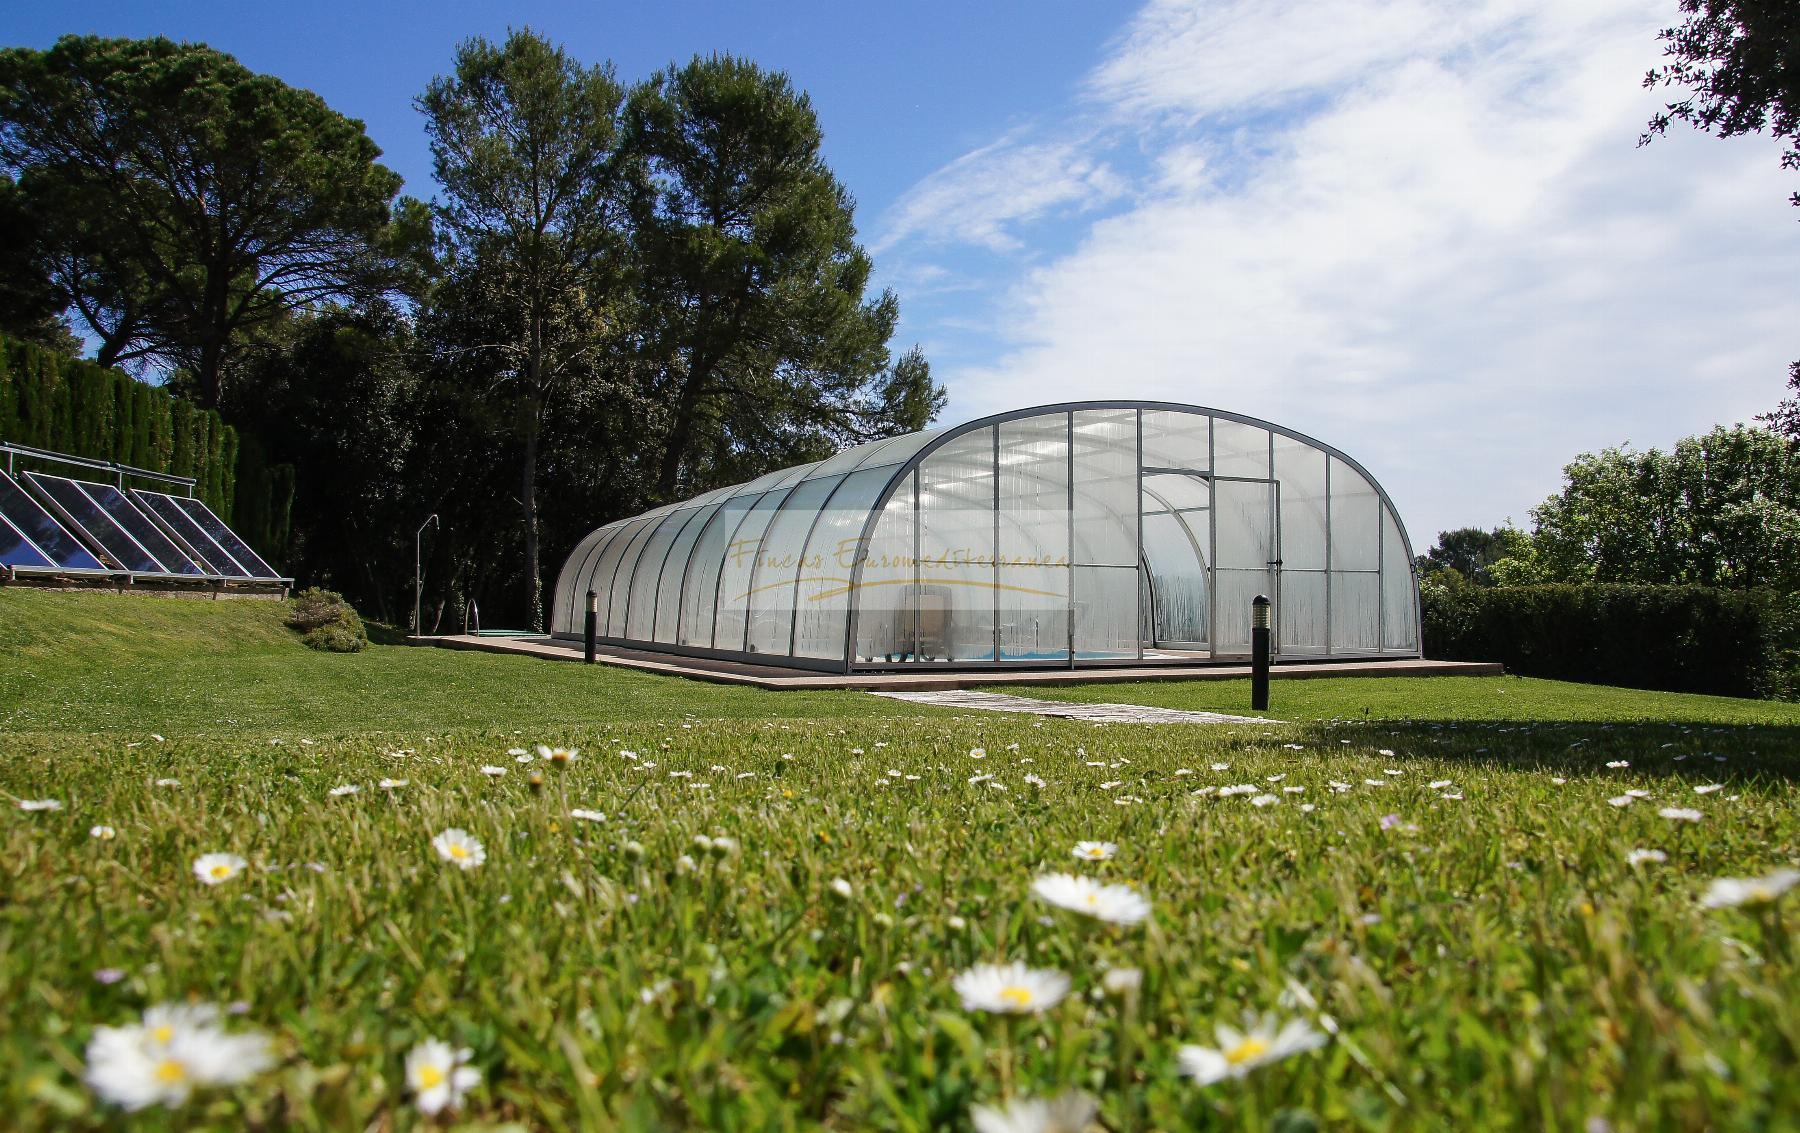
{"x": 1487, "y": 961}
{"x": 1681, "y": 638}
{"x": 187, "y": 200}
{"x": 1721, "y": 509}
{"x": 1470, "y": 552}
{"x": 326, "y": 622}
{"x": 764, "y": 350}
{"x": 50, "y": 400}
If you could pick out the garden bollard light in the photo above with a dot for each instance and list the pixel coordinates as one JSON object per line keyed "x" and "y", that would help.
{"x": 593, "y": 626}
{"x": 1259, "y": 653}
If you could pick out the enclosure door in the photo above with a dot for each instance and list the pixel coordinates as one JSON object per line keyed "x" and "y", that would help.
{"x": 1177, "y": 534}
{"x": 1246, "y": 558}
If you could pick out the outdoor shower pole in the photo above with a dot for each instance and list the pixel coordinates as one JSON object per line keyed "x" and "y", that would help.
{"x": 593, "y": 625}
{"x": 419, "y": 573}
{"x": 1259, "y": 653}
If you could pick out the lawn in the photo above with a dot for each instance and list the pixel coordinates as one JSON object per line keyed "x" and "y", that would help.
{"x": 1459, "y": 925}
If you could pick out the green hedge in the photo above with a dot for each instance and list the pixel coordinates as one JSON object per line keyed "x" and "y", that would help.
{"x": 1677, "y": 638}
{"x": 84, "y": 409}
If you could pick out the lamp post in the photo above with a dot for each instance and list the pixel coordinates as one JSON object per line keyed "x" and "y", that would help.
{"x": 593, "y": 624}
{"x": 1259, "y": 653}
{"x": 419, "y": 572}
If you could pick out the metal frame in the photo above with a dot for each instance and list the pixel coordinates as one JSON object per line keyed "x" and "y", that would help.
{"x": 81, "y": 531}
{"x": 900, "y": 471}
{"x": 12, "y": 449}
{"x": 87, "y": 572}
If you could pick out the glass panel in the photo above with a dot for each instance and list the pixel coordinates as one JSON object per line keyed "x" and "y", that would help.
{"x": 1355, "y": 520}
{"x": 956, "y": 611}
{"x": 1240, "y": 450}
{"x": 1399, "y": 614}
{"x": 1106, "y": 489}
{"x": 778, "y": 563}
{"x": 615, "y": 591}
{"x": 568, "y": 615}
{"x": 849, "y": 459}
{"x": 1177, "y": 440}
{"x": 674, "y": 573}
{"x": 887, "y": 595}
{"x": 29, "y": 516}
{"x": 1355, "y": 612}
{"x": 148, "y": 535}
{"x": 86, "y": 514}
{"x": 1175, "y": 492}
{"x": 700, "y": 590}
{"x": 1231, "y": 625}
{"x": 640, "y": 608}
{"x": 956, "y": 503}
{"x": 1106, "y": 612}
{"x": 1034, "y": 491}
{"x": 794, "y": 475}
{"x": 1175, "y": 551}
{"x": 733, "y": 615}
{"x": 1034, "y": 613}
{"x": 226, "y": 538}
{"x": 1300, "y": 612}
{"x": 16, "y": 551}
{"x": 899, "y": 449}
{"x": 822, "y": 596}
{"x": 211, "y": 555}
{"x": 1244, "y": 532}
{"x": 1301, "y": 470}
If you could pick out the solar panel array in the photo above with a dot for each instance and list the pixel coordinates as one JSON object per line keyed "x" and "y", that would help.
{"x": 76, "y": 526}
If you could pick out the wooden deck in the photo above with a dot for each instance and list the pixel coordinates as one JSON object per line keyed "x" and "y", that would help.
{"x": 775, "y": 678}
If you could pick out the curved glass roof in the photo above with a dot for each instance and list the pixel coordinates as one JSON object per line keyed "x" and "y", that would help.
{"x": 1084, "y": 533}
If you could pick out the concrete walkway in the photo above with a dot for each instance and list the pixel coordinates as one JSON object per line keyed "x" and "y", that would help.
{"x": 776, "y": 678}
{"x": 1103, "y": 713}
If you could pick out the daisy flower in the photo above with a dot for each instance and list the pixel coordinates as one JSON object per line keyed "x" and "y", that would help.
{"x": 1265, "y": 800}
{"x": 841, "y": 889}
{"x": 173, "y": 1050}
{"x": 1011, "y": 989}
{"x": 587, "y": 815}
{"x": 1114, "y": 904}
{"x": 1680, "y": 814}
{"x": 1121, "y": 980}
{"x": 392, "y": 784}
{"x": 460, "y": 847}
{"x": 1240, "y": 1052}
{"x": 1709, "y": 788}
{"x": 438, "y": 1075}
{"x": 1095, "y": 851}
{"x": 1618, "y": 763}
{"x": 216, "y": 868}
{"x": 491, "y": 770}
{"x": 1620, "y": 800}
{"x": 345, "y": 789}
{"x": 1639, "y": 857}
{"x": 40, "y": 804}
{"x": 1730, "y": 892}
{"x": 561, "y": 756}
{"x": 1070, "y": 1112}
{"x": 104, "y": 833}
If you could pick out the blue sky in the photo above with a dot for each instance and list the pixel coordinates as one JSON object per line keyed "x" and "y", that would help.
{"x": 1420, "y": 230}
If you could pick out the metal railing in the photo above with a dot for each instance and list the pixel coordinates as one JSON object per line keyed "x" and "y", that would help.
{"x": 119, "y": 471}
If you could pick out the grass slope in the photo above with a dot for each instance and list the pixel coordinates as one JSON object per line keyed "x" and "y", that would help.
{"x": 1488, "y": 961}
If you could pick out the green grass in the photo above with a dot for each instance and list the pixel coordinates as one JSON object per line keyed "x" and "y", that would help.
{"x": 1488, "y": 962}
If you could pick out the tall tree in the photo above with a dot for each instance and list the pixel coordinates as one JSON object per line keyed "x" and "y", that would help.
{"x": 763, "y": 347}
{"x": 196, "y": 199}
{"x": 1737, "y": 64}
{"x": 524, "y": 144}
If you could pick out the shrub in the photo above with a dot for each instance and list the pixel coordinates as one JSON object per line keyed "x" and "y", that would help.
{"x": 1676, "y": 638}
{"x": 326, "y": 622}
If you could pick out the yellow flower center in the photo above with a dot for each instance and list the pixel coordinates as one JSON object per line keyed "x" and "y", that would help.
{"x": 1017, "y": 996}
{"x": 163, "y": 1033}
{"x": 1093, "y": 899}
{"x": 430, "y": 1077}
{"x": 169, "y": 1071}
{"x": 1096, "y": 853}
{"x": 1761, "y": 893}
{"x": 221, "y": 871}
{"x": 458, "y": 850}
{"x": 1245, "y": 1051}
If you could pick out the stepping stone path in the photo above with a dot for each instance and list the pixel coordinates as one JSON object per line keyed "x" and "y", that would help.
{"x": 1102, "y": 713}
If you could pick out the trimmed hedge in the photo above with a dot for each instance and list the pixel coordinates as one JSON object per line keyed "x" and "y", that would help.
{"x": 1675, "y": 638}
{"x": 326, "y": 622}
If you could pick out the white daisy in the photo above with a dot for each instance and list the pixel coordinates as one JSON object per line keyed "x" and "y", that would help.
{"x": 1221, "y": 767}
{"x": 1730, "y": 892}
{"x": 1621, "y": 800}
{"x": 1618, "y": 763}
{"x": 1680, "y": 814}
{"x": 392, "y": 784}
{"x": 587, "y": 815}
{"x": 561, "y": 756}
{"x": 340, "y": 791}
{"x": 216, "y": 868}
{"x": 1121, "y": 980}
{"x": 1639, "y": 857}
{"x": 1011, "y": 989}
{"x": 1070, "y": 1112}
{"x": 460, "y": 847}
{"x": 1265, "y": 800}
{"x": 104, "y": 833}
{"x": 176, "y": 1048}
{"x": 1240, "y": 1052}
{"x": 490, "y": 770}
{"x": 1095, "y": 851}
{"x": 1114, "y": 904}
{"x": 1709, "y": 788}
{"x": 841, "y": 889}
{"x": 168, "y": 782}
{"x": 1440, "y": 784}
{"x": 439, "y": 1076}
{"x": 40, "y": 804}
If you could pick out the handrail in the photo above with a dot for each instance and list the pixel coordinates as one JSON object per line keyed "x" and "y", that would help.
{"x": 466, "y": 608}
{"x": 12, "y": 448}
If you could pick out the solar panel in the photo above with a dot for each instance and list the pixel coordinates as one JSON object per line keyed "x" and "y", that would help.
{"x": 16, "y": 550}
{"x": 226, "y": 538}
{"x": 90, "y": 520}
{"x": 149, "y": 536}
{"x": 42, "y": 529}
{"x": 167, "y": 511}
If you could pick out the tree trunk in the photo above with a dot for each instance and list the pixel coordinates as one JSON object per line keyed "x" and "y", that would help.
{"x": 669, "y": 474}
{"x": 530, "y": 405}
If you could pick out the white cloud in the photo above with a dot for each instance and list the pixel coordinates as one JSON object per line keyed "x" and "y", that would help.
{"x": 1445, "y": 254}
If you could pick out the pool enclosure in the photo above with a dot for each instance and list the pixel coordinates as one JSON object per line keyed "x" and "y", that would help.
{"x": 1094, "y": 533}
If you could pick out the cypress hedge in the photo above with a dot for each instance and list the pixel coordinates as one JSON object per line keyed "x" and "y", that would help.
{"x": 1675, "y": 638}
